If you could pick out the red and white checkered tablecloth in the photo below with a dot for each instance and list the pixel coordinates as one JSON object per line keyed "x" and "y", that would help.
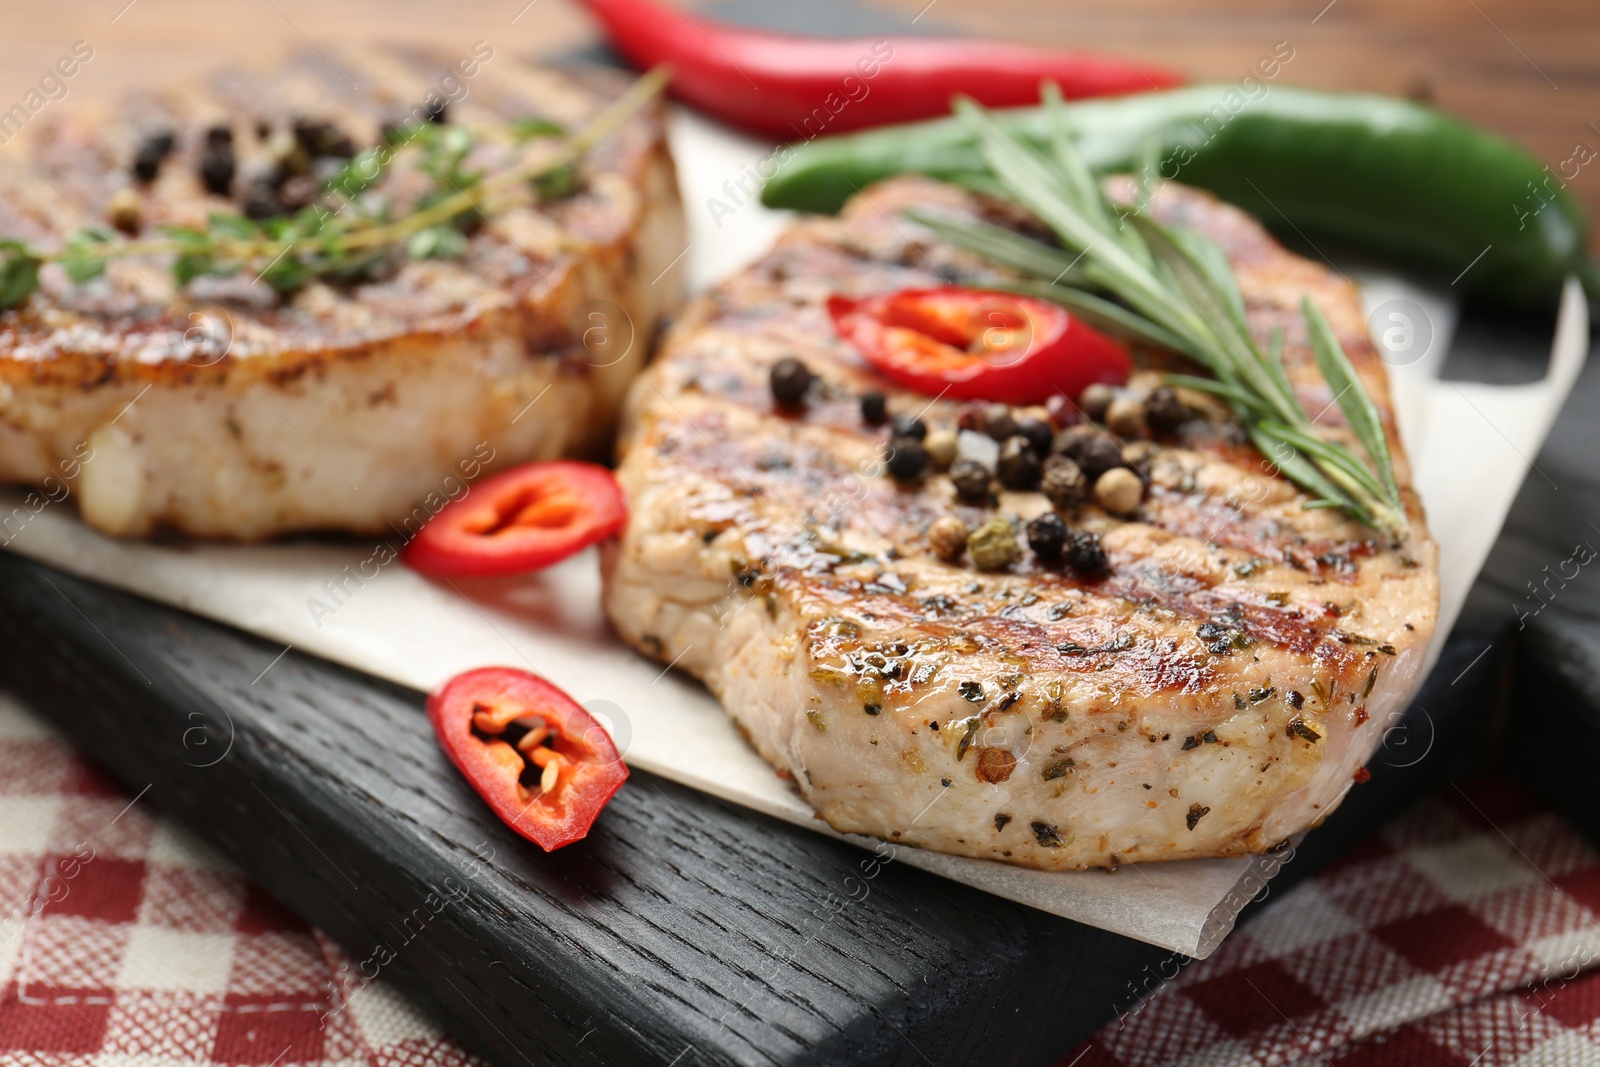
{"x": 126, "y": 943}
{"x": 1455, "y": 938}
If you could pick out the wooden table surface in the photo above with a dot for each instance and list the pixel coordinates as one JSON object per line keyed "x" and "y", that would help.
{"x": 1527, "y": 68}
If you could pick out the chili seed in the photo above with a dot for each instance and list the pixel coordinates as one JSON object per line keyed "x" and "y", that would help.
{"x": 1047, "y": 535}
{"x": 971, "y": 481}
{"x": 1096, "y": 400}
{"x": 1038, "y": 435}
{"x": 1085, "y": 552}
{"x": 907, "y": 459}
{"x": 1119, "y": 491}
{"x": 1018, "y": 466}
{"x": 947, "y": 536}
{"x": 941, "y": 446}
{"x": 998, "y": 422}
{"x": 994, "y": 544}
{"x": 790, "y": 379}
{"x": 874, "y": 408}
{"x": 153, "y": 151}
{"x": 1125, "y": 417}
{"x": 909, "y": 426}
{"x": 1163, "y": 410}
{"x": 1063, "y": 483}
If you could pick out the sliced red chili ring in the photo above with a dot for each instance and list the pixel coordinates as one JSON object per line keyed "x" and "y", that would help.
{"x": 521, "y": 520}
{"x": 978, "y": 344}
{"x": 530, "y": 751}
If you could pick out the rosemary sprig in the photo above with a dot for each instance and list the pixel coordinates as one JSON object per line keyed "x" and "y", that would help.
{"x": 345, "y": 245}
{"x": 1174, "y": 287}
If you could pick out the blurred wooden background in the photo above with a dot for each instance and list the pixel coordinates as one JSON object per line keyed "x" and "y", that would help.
{"x": 1527, "y": 68}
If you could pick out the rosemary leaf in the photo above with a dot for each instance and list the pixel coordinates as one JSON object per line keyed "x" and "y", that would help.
{"x": 1098, "y": 312}
{"x": 1359, "y": 411}
{"x": 1178, "y": 286}
{"x": 1003, "y": 247}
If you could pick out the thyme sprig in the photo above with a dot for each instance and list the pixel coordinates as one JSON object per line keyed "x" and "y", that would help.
{"x": 1173, "y": 287}
{"x": 346, "y": 244}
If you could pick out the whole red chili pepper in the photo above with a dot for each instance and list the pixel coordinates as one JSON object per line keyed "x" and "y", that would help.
{"x": 797, "y": 88}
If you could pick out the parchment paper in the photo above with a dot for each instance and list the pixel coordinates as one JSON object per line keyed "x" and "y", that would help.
{"x": 417, "y": 633}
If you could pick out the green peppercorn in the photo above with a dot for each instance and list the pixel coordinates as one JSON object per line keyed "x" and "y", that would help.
{"x": 790, "y": 379}
{"x": 994, "y": 544}
{"x": 1047, "y": 535}
{"x": 971, "y": 480}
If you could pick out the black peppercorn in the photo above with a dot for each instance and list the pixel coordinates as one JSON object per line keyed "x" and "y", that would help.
{"x": 1047, "y": 535}
{"x": 874, "y": 408}
{"x": 910, "y": 426}
{"x": 998, "y": 422}
{"x": 322, "y": 138}
{"x": 1163, "y": 410}
{"x": 1096, "y": 455}
{"x": 1038, "y": 435}
{"x": 216, "y": 161}
{"x": 1297, "y": 699}
{"x": 438, "y": 111}
{"x": 1063, "y": 483}
{"x": 971, "y": 480}
{"x": 1085, "y": 553}
{"x": 153, "y": 151}
{"x": 260, "y": 200}
{"x": 1018, "y": 466}
{"x": 790, "y": 379}
{"x": 907, "y": 459}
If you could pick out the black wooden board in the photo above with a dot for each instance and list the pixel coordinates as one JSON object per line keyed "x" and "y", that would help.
{"x": 684, "y": 930}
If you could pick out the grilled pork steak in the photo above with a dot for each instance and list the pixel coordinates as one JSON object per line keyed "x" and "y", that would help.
{"x": 1213, "y": 690}
{"x": 224, "y": 412}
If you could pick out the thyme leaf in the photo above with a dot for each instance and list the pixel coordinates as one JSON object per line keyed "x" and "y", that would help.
{"x": 348, "y": 245}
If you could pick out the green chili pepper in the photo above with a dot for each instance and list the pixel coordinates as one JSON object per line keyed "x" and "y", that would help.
{"x": 1358, "y": 173}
